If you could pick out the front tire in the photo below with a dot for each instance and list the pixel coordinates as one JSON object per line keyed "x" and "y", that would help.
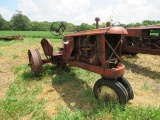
{"x": 128, "y": 87}
{"x": 108, "y": 89}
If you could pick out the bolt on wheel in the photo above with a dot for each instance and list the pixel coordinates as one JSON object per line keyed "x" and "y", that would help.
{"x": 108, "y": 94}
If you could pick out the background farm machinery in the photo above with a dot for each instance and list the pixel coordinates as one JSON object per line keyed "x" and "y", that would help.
{"x": 144, "y": 39}
{"x": 99, "y": 51}
{"x": 12, "y": 37}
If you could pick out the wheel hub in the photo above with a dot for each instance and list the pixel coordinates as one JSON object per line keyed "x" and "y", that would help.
{"x": 107, "y": 94}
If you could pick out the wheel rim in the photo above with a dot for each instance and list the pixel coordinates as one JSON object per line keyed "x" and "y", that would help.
{"x": 35, "y": 61}
{"x": 107, "y": 94}
{"x": 32, "y": 64}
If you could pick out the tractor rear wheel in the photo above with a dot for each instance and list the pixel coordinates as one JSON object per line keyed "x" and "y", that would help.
{"x": 35, "y": 62}
{"x": 110, "y": 90}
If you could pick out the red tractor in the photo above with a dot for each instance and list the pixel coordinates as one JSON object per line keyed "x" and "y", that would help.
{"x": 97, "y": 50}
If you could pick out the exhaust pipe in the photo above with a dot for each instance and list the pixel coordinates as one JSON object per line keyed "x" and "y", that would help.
{"x": 97, "y": 19}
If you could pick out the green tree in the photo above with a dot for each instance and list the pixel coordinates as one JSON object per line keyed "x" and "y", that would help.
{"x": 36, "y": 26}
{"x": 7, "y": 26}
{"x": 45, "y": 26}
{"x": 69, "y": 26}
{"x": 157, "y": 22}
{"x": 40, "y": 26}
{"x": 84, "y": 26}
{"x": 103, "y": 25}
{"x": 2, "y": 23}
{"x": 145, "y": 22}
{"x": 137, "y": 24}
{"x": 20, "y": 21}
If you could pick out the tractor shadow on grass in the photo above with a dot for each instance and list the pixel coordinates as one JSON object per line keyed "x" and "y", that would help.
{"x": 66, "y": 86}
{"x": 76, "y": 93}
{"x": 141, "y": 70}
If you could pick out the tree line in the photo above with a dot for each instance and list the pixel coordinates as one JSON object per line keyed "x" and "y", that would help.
{"x": 20, "y": 22}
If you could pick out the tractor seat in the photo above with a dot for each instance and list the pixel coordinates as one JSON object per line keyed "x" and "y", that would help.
{"x": 47, "y": 47}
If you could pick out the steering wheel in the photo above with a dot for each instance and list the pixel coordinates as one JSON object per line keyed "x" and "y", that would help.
{"x": 57, "y": 28}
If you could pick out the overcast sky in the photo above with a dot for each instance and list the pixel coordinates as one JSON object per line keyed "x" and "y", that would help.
{"x": 83, "y": 11}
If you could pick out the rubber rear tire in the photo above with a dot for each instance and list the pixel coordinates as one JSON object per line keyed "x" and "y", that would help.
{"x": 113, "y": 87}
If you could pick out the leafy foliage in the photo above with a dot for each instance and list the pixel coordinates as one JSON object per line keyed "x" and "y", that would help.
{"x": 2, "y": 22}
{"x": 4, "y": 25}
{"x": 22, "y": 22}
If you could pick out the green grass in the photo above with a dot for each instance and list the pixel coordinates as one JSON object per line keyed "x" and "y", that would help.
{"x": 7, "y": 43}
{"x": 1, "y": 53}
{"x": 111, "y": 112}
{"x": 72, "y": 84}
{"x": 32, "y": 34}
{"x": 21, "y": 98}
{"x": 26, "y": 41}
{"x": 145, "y": 86}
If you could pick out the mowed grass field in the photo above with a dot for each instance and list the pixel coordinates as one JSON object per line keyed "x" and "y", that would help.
{"x": 67, "y": 94}
{"x": 32, "y": 34}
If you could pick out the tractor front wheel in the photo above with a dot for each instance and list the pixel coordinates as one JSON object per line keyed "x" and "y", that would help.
{"x": 128, "y": 87}
{"x": 110, "y": 90}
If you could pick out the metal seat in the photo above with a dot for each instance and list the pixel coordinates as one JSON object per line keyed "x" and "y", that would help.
{"x": 47, "y": 47}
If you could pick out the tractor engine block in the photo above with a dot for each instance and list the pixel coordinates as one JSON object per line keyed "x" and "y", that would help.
{"x": 85, "y": 50}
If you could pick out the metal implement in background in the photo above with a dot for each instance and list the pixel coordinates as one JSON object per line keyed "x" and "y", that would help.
{"x": 143, "y": 39}
{"x": 12, "y": 37}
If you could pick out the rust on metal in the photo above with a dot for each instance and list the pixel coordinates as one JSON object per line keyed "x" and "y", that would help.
{"x": 109, "y": 73}
{"x": 35, "y": 61}
{"x": 108, "y": 24}
{"x": 143, "y": 39}
{"x": 97, "y": 50}
{"x": 131, "y": 49}
{"x": 97, "y": 19}
{"x": 47, "y": 47}
{"x": 13, "y": 37}
{"x": 107, "y": 30}
{"x": 141, "y": 30}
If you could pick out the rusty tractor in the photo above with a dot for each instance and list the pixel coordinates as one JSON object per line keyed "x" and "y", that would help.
{"x": 97, "y": 50}
{"x": 143, "y": 39}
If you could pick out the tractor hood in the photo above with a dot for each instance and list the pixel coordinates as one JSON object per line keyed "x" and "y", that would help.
{"x": 107, "y": 30}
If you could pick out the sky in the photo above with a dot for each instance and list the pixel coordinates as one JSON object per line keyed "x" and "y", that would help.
{"x": 83, "y": 11}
